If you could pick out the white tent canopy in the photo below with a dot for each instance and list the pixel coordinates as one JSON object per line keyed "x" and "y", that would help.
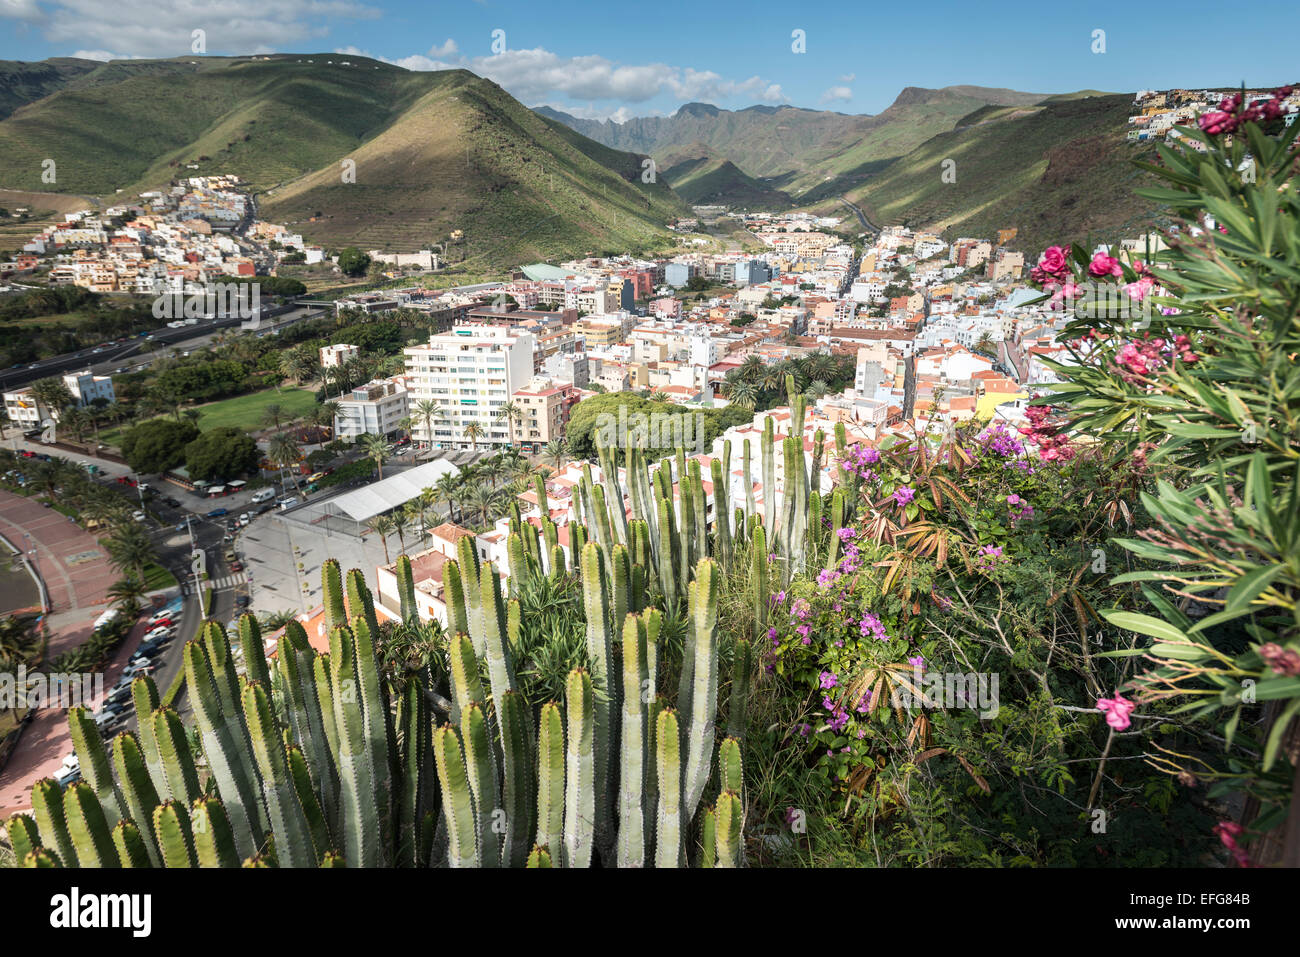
{"x": 363, "y": 504}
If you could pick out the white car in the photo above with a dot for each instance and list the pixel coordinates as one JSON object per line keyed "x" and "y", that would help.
{"x": 138, "y": 515}
{"x": 287, "y": 502}
{"x": 244, "y": 518}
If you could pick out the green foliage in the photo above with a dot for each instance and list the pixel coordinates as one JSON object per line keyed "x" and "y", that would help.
{"x": 157, "y": 445}
{"x": 221, "y": 453}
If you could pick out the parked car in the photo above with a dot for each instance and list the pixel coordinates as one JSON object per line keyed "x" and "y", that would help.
{"x": 138, "y": 515}
{"x": 244, "y": 518}
{"x": 264, "y": 508}
{"x": 242, "y": 601}
{"x": 133, "y": 670}
{"x": 289, "y": 502}
{"x": 236, "y": 566}
{"x": 217, "y": 512}
{"x": 171, "y": 502}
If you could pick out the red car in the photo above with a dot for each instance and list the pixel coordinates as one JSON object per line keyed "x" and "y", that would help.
{"x": 236, "y": 566}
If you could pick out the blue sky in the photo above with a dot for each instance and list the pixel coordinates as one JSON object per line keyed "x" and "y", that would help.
{"x": 626, "y": 58}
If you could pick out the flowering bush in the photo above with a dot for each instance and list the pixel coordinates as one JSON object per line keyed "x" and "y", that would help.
{"x": 1202, "y": 393}
{"x": 928, "y": 667}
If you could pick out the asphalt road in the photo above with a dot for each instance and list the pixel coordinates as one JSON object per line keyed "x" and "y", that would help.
{"x": 126, "y": 354}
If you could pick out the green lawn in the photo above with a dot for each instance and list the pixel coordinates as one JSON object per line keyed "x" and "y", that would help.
{"x": 155, "y": 576}
{"x": 244, "y": 411}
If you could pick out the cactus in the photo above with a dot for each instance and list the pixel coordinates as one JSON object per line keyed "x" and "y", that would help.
{"x": 668, "y": 825}
{"x": 319, "y": 776}
{"x": 580, "y": 775}
{"x": 406, "y": 590}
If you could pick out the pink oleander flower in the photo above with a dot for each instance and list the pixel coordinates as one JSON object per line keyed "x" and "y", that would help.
{"x": 1281, "y": 661}
{"x": 1104, "y": 265}
{"x": 1117, "y": 711}
{"x": 1138, "y": 291}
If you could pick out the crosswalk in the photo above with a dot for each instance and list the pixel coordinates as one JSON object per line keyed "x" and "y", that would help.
{"x": 218, "y": 584}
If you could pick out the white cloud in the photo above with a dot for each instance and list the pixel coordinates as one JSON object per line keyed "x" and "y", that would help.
{"x": 144, "y": 28}
{"x": 20, "y": 10}
{"x": 535, "y": 75}
{"x": 848, "y": 77}
{"x": 103, "y": 55}
{"x": 837, "y": 93}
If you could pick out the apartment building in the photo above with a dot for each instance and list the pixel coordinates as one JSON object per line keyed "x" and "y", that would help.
{"x": 337, "y": 355}
{"x": 470, "y": 373}
{"x": 544, "y": 405}
{"x": 87, "y": 388}
{"x": 376, "y": 408}
{"x": 25, "y": 410}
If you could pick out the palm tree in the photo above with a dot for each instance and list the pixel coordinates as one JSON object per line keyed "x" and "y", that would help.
{"x": 18, "y": 639}
{"x": 493, "y": 469}
{"x": 322, "y": 417}
{"x": 513, "y": 413}
{"x": 658, "y": 396}
{"x": 272, "y": 415}
{"x": 376, "y": 449}
{"x": 818, "y": 389}
{"x": 382, "y": 525}
{"x": 284, "y": 452}
{"x": 52, "y": 393}
{"x": 129, "y": 550}
{"x": 127, "y": 592}
{"x": 448, "y": 488}
{"x": 743, "y": 393}
{"x": 751, "y": 369}
{"x": 985, "y": 344}
{"x": 481, "y": 499}
{"x": 401, "y": 525}
{"x": 556, "y": 451}
{"x": 427, "y": 411}
{"x": 473, "y": 432}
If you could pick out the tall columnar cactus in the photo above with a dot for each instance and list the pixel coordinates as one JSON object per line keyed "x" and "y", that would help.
{"x": 406, "y": 590}
{"x": 600, "y": 645}
{"x": 580, "y": 772}
{"x": 769, "y": 475}
{"x": 322, "y": 774}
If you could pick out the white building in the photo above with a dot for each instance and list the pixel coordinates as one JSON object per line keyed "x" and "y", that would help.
{"x": 337, "y": 355}
{"x": 470, "y": 373}
{"x": 376, "y": 408}
{"x": 86, "y": 387}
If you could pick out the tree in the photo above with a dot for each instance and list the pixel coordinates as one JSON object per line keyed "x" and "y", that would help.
{"x": 376, "y": 449}
{"x": 157, "y": 445}
{"x": 481, "y": 499}
{"x": 353, "y": 262}
{"x": 697, "y": 284}
{"x": 427, "y": 411}
{"x": 473, "y": 432}
{"x": 272, "y": 415}
{"x": 742, "y": 392}
{"x": 513, "y": 413}
{"x": 221, "y": 453}
{"x": 129, "y": 550}
{"x": 53, "y": 393}
{"x": 18, "y": 639}
{"x": 448, "y": 489}
{"x": 382, "y": 525}
{"x": 284, "y": 452}
{"x": 127, "y": 593}
{"x": 556, "y": 452}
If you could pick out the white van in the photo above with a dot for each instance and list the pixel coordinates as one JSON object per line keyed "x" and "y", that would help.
{"x": 265, "y": 495}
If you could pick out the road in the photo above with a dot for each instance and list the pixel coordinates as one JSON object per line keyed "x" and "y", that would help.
{"x": 862, "y": 217}
{"x": 127, "y": 357}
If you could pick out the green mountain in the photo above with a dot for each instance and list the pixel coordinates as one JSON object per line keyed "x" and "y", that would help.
{"x": 433, "y": 152}
{"x": 1055, "y": 170}
{"x": 703, "y": 178}
{"x": 806, "y": 154}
